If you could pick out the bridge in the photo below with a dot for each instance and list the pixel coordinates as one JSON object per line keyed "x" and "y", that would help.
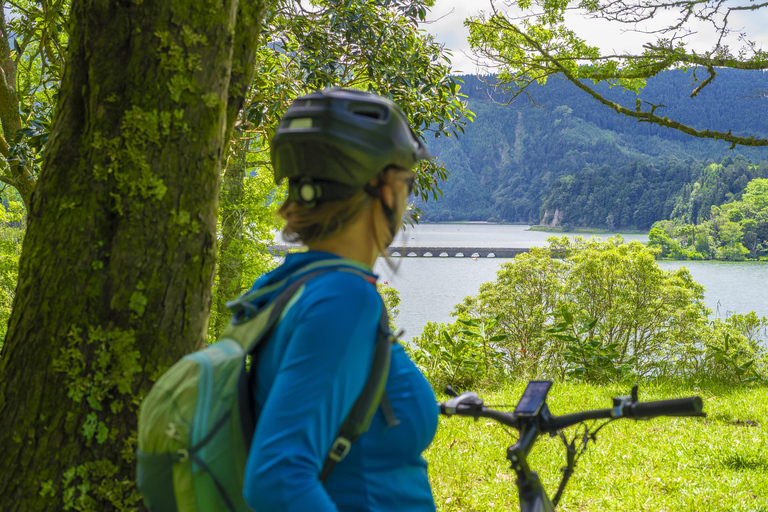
{"x": 456, "y": 252}
{"x": 426, "y": 252}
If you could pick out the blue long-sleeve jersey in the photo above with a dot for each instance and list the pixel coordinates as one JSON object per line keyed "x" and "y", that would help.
{"x": 308, "y": 376}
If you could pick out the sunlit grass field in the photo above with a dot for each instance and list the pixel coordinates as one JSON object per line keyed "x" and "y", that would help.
{"x": 717, "y": 463}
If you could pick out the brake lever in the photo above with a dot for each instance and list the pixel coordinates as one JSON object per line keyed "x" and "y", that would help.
{"x": 621, "y": 402}
{"x": 466, "y": 398}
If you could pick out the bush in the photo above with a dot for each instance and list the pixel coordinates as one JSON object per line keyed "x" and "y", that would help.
{"x": 630, "y": 318}
{"x": 465, "y": 354}
{"x": 731, "y": 355}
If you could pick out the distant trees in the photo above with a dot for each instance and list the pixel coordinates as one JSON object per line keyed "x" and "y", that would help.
{"x": 733, "y": 231}
{"x": 631, "y": 196}
{"x": 512, "y": 156}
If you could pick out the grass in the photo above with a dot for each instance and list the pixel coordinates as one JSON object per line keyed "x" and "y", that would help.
{"x": 718, "y": 463}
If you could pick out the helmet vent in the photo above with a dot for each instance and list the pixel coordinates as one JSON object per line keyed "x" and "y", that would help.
{"x": 378, "y": 112}
{"x": 301, "y": 123}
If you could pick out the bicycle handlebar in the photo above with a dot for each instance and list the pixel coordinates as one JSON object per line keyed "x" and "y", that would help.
{"x": 469, "y": 404}
{"x": 690, "y": 406}
{"x": 531, "y": 426}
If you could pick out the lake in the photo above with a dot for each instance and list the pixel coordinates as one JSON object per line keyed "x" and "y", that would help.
{"x": 430, "y": 287}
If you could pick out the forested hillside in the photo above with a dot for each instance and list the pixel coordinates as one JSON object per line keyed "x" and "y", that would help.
{"x": 512, "y": 163}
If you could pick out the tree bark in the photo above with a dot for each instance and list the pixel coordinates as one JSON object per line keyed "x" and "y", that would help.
{"x": 116, "y": 272}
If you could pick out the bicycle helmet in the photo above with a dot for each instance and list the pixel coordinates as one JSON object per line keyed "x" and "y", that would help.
{"x": 331, "y": 143}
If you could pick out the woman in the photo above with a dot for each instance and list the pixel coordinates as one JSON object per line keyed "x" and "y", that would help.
{"x": 348, "y": 157}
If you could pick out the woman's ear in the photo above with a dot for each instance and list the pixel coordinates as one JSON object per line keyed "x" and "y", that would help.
{"x": 384, "y": 184}
{"x": 387, "y": 192}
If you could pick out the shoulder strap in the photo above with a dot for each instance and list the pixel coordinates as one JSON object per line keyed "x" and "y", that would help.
{"x": 372, "y": 396}
{"x": 251, "y": 325}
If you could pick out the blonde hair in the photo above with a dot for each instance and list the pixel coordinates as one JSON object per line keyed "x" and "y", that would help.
{"x": 328, "y": 219}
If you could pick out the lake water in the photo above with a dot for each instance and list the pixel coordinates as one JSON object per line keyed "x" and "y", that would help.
{"x": 430, "y": 287}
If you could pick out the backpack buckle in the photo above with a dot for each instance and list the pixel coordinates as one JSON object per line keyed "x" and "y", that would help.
{"x": 339, "y": 449}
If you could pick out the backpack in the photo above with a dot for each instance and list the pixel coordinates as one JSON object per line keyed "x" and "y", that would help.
{"x": 197, "y": 422}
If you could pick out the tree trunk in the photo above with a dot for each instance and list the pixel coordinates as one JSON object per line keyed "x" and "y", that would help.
{"x": 230, "y": 267}
{"x": 116, "y": 272}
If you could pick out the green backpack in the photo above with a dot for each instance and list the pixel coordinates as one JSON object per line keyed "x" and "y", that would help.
{"x": 197, "y": 422}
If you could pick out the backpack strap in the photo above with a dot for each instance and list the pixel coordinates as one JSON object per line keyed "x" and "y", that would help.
{"x": 372, "y": 396}
{"x": 251, "y": 325}
{"x": 249, "y": 331}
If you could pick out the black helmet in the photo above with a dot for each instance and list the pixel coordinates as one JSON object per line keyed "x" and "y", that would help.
{"x": 331, "y": 143}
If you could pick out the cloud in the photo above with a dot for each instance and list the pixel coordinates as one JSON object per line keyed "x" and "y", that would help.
{"x": 447, "y": 26}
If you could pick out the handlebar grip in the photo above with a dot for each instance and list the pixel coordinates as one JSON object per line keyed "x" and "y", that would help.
{"x": 690, "y": 406}
{"x": 468, "y": 398}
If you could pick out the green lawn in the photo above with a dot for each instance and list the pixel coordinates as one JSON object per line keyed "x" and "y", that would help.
{"x": 666, "y": 464}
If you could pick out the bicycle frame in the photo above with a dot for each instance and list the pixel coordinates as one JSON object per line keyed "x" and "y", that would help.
{"x": 533, "y": 497}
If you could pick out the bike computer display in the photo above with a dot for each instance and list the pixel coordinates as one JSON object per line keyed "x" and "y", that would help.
{"x": 533, "y": 398}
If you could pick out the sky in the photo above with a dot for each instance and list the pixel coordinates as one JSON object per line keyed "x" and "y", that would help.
{"x": 447, "y": 19}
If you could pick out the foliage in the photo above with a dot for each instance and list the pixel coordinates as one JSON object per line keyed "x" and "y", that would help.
{"x": 12, "y": 222}
{"x": 729, "y": 359}
{"x": 446, "y": 357}
{"x": 375, "y": 46}
{"x": 749, "y": 325}
{"x": 536, "y": 41}
{"x": 247, "y": 224}
{"x": 662, "y": 464}
{"x": 735, "y": 230}
{"x": 491, "y": 356}
{"x": 588, "y": 359}
{"x": 527, "y": 291}
{"x": 646, "y": 321}
{"x": 465, "y": 355}
{"x": 616, "y": 315}
{"x": 650, "y": 313}
{"x": 32, "y": 64}
{"x": 391, "y": 298}
{"x": 732, "y": 350}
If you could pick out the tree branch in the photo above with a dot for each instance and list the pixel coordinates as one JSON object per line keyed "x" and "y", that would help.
{"x": 648, "y": 117}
